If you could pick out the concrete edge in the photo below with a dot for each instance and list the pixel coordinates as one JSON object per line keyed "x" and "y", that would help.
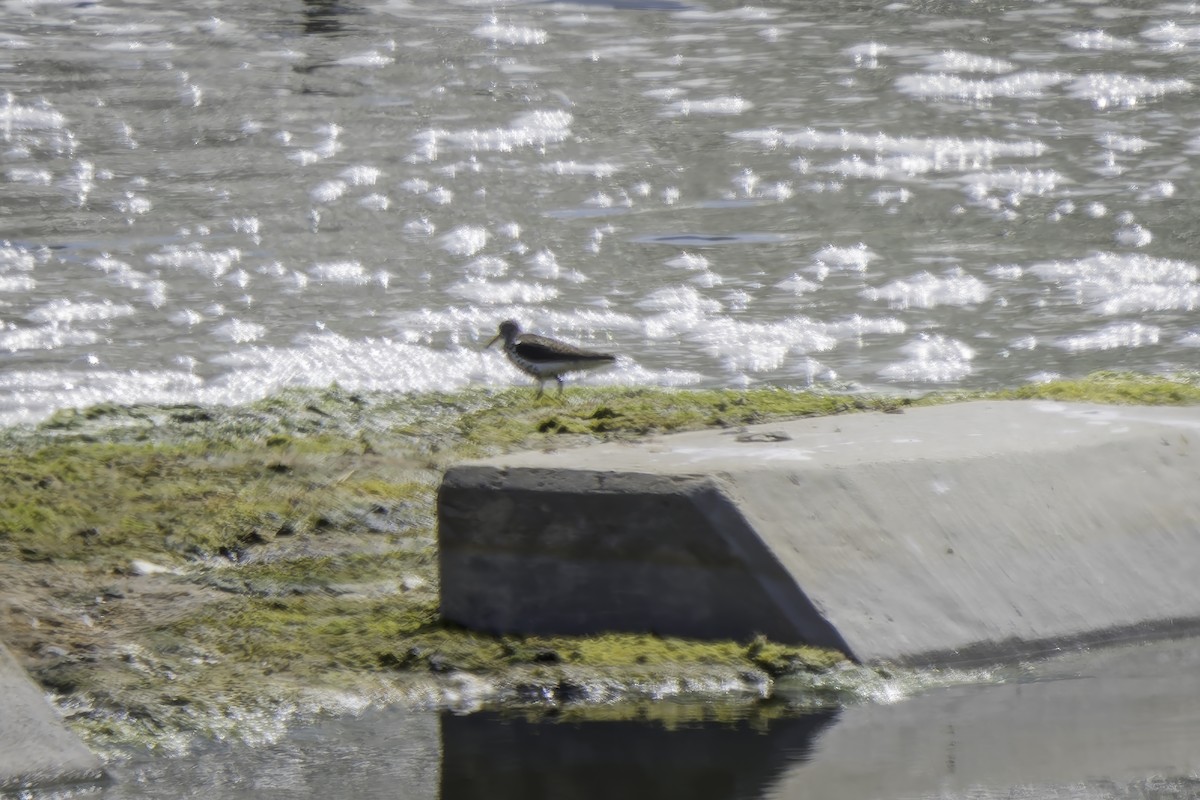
{"x": 793, "y": 615}
{"x": 37, "y": 749}
{"x": 1008, "y": 651}
{"x": 719, "y": 508}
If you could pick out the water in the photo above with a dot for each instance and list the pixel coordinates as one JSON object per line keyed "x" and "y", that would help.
{"x": 1106, "y": 725}
{"x": 205, "y": 202}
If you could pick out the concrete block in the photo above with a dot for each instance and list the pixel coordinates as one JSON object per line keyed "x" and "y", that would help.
{"x": 968, "y": 531}
{"x": 36, "y": 748}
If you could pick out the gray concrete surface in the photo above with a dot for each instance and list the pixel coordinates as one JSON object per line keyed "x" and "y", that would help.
{"x": 36, "y": 748}
{"x": 944, "y": 534}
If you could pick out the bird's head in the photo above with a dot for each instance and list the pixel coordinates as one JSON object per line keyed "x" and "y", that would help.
{"x": 508, "y": 331}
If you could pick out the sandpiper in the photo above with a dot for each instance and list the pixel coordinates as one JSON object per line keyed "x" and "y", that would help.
{"x": 545, "y": 358}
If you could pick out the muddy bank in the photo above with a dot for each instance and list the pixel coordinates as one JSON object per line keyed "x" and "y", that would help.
{"x": 180, "y": 571}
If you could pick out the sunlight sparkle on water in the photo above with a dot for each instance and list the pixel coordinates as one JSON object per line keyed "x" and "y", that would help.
{"x": 925, "y": 290}
{"x": 1116, "y": 335}
{"x": 932, "y": 359}
{"x": 905, "y": 208}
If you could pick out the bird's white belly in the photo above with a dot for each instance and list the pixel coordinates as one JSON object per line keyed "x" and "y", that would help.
{"x": 547, "y": 369}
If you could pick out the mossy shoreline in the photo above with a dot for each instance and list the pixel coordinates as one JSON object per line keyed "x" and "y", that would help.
{"x": 171, "y": 571}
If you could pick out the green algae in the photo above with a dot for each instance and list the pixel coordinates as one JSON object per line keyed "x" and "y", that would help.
{"x": 105, "y": 503}
{"x": 309, "y": 635}
{"x": 1118, "y": 388}
{"x": 301, "y": 531}
{"x": 514, "y": 421}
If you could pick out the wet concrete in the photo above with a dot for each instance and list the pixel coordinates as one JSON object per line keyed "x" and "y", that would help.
{"x": 951, "y": 533}
{"x": 36, "y": 748}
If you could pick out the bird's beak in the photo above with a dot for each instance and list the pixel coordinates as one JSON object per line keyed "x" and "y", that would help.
{"x": 495, "y": 339}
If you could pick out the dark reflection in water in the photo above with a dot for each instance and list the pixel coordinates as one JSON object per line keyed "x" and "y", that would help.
{"x": 710, "y": 239}
{"x": 499, "y": 757}
{"x": 326, "y": 16}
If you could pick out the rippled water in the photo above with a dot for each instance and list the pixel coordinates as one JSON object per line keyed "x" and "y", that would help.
{"x": 208, "y": 201}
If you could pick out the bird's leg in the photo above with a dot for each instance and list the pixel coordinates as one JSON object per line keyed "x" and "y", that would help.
{"x": 560, "y": 384}
{"x": 541, "y": 388}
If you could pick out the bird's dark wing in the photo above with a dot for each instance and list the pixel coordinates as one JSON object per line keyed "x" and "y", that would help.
{"x": 540, "y": 349}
